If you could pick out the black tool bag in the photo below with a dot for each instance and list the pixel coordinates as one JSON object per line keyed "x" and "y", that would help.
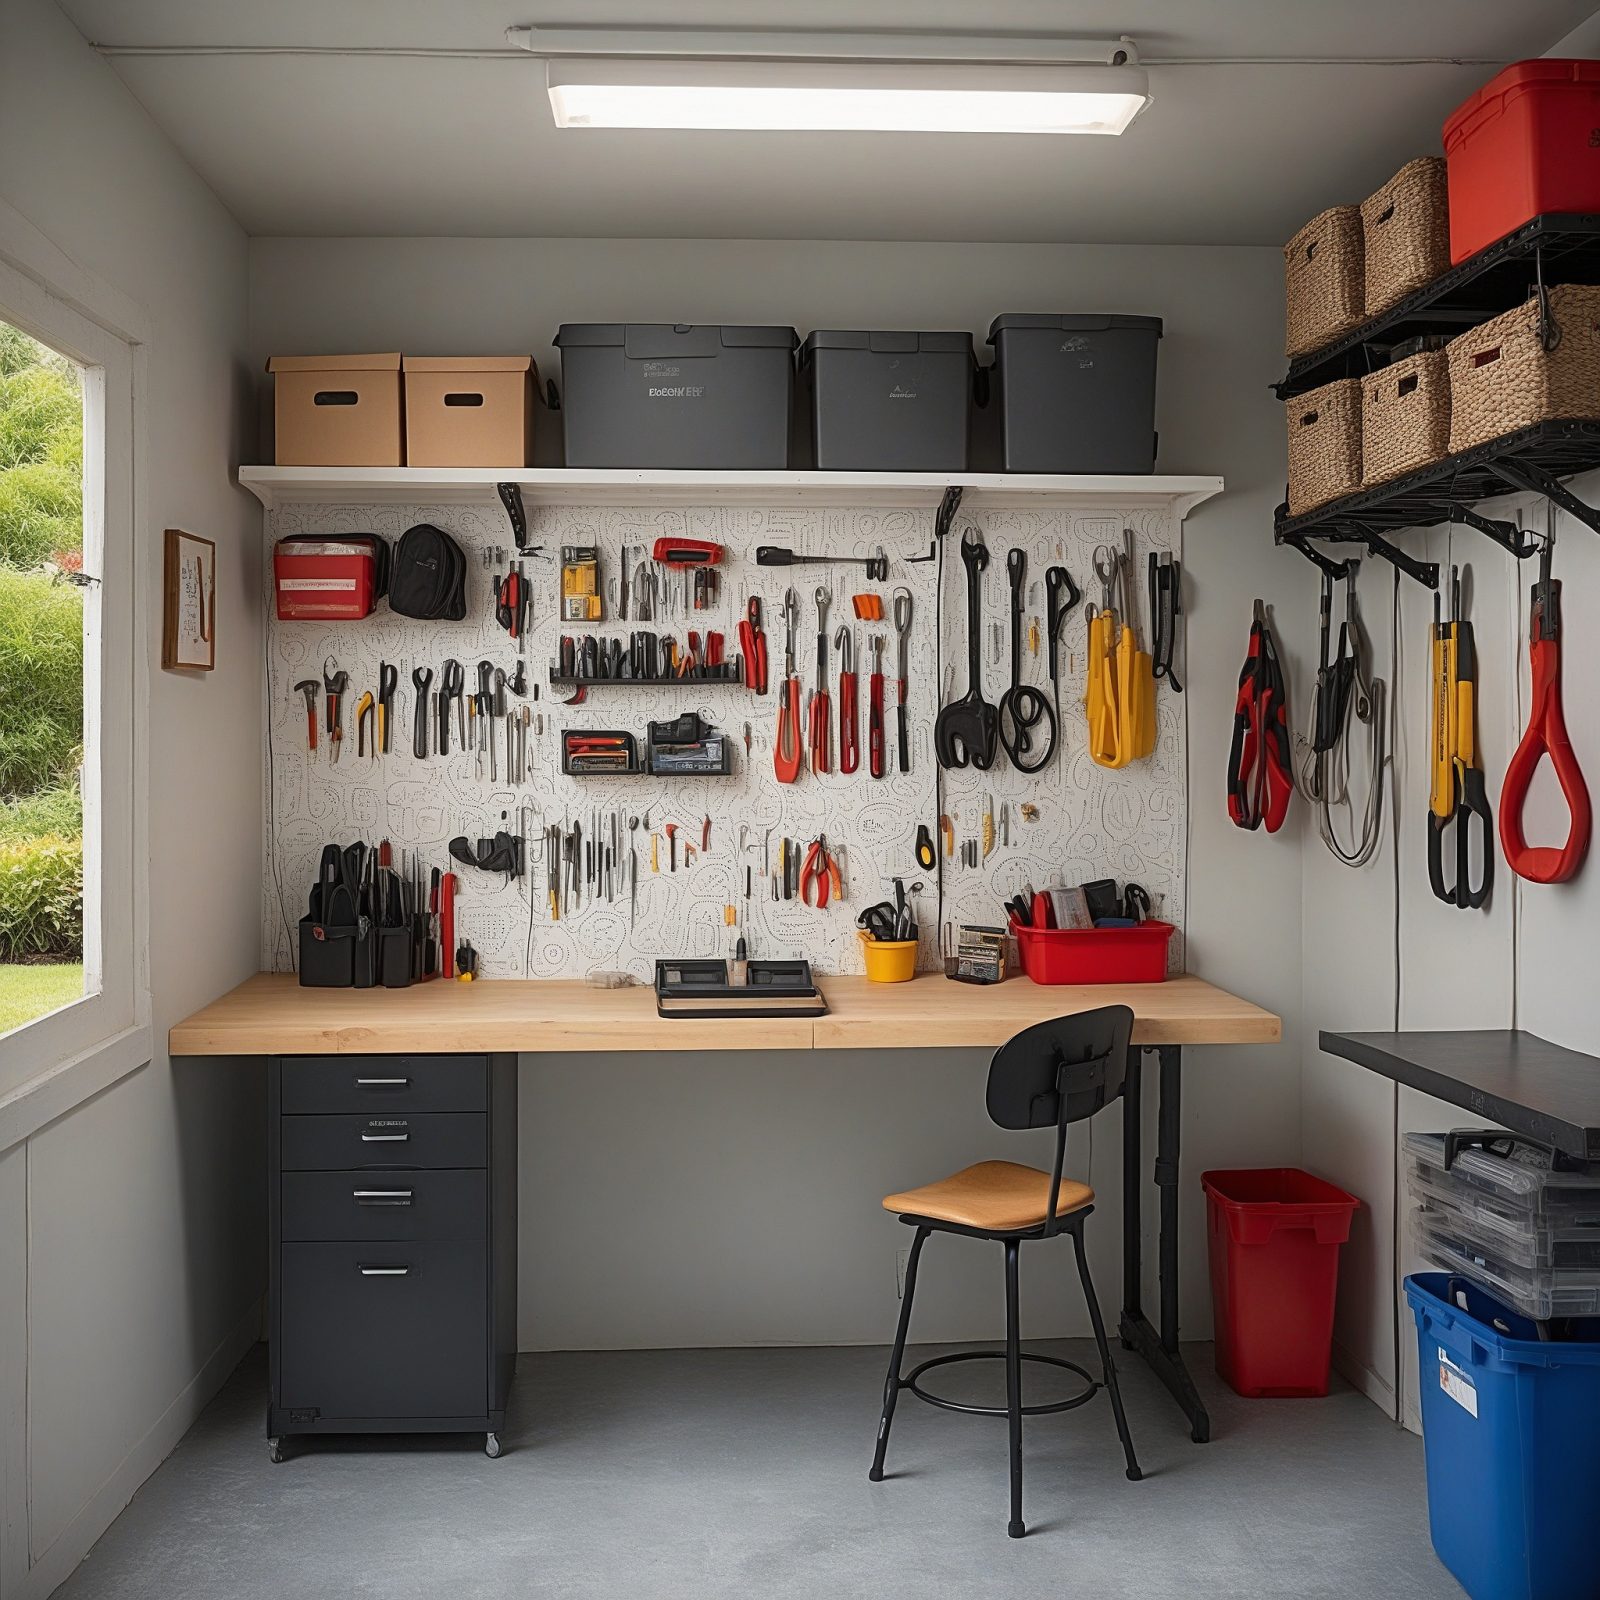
{"x": 428, "y": 577}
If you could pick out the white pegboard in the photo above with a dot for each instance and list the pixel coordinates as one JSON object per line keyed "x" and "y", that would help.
{"x": 1092, "y": 822}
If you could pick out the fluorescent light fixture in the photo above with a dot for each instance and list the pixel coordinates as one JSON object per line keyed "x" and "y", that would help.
{"x": 833, "y": 83}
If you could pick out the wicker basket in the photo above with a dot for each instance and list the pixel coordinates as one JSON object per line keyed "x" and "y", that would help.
{"x": 1502, "y": 378}
{"x": 1322, "y": 268}
{"x": 1405, "y": 232}
{"x": 1405, "y": 417}
{"x": 1324, "y": 444}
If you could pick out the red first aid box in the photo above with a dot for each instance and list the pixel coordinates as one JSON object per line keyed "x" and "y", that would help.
{"x": 323, "y": 577}
{"x": 1526, "y": 144}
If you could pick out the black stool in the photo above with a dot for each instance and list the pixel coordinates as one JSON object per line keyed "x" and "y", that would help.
{"x": 1051, "y": 1075}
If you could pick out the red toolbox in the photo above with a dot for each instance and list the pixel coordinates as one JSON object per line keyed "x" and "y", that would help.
{"x": 329, "y": 577}
{"x": 1525, "y": 144}
{"x": 1094, "y": 955}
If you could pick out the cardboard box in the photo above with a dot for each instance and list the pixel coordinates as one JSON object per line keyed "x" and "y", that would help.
{"x": 469, "y": 411}
{"x": 337, "y": 411}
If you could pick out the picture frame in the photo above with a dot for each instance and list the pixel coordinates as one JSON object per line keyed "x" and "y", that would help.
{"x": 189, "y": 603}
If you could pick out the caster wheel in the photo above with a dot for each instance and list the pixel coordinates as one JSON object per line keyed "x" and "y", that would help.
{"x": 275, "y": 1451}
{"x": 491, "y": 1446}
{"x": 1134, "y": 1475}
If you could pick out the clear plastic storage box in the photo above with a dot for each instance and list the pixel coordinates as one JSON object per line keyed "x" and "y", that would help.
{"x": 1506, "y": 1218}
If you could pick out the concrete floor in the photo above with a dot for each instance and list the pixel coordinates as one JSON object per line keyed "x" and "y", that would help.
{"x": 739, "y": 1473}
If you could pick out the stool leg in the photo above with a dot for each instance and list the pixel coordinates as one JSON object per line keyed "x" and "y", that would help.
{"x": 1016, "y": 1528}
{"x": 1107, "y": 1368}
{"x": 891, "y": 1386}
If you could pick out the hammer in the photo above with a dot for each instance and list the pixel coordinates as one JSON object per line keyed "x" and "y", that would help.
{"x": 334, "y": 684}
{"x": 308, "y": 688}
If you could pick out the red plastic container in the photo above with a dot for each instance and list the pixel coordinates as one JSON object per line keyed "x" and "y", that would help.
{"x": 1526, "y": 143}
{"x": 1094, "y": 955}
{"x": 329, "y": 578}
{"x": 1274, "y": 1237}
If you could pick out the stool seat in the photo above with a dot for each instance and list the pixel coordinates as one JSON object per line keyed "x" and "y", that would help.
{"x": 998, "y": 1196}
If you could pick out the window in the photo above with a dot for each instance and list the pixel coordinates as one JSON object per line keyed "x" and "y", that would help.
{"x": 41, "y": 680}
{"x": 68, "y": 670}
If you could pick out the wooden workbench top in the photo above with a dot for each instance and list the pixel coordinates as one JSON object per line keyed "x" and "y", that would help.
{"x": 271, "y": 1014}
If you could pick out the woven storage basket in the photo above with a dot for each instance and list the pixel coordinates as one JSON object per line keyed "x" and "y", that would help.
{"x": 1503, "y": 379}
{"x": 1405, "y": 234}
{"x": 1322, "y": 268}
{"x": 1405, "y": 416}
{"x": 1324, "y": 444}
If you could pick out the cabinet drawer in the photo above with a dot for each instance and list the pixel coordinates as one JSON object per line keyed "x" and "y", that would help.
{"x": 385, "y": 1085}
{"x": 384, "y": 1330}
{"x": 395, "y": 1204}
{"x": 335, "y": 1144}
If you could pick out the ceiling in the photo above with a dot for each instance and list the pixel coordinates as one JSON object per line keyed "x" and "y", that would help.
{"x": 1263, "y": 113}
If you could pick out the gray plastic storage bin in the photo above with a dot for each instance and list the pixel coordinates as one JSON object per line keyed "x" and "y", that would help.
{"x": 646, "y": 394}
{"x": 1077, "y": 393}
{"x": 888, "y": 401}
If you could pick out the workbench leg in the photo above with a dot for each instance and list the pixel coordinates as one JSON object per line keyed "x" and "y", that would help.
{"x": 1161, "y": 1351}
{"x": 1132, "y": 1220}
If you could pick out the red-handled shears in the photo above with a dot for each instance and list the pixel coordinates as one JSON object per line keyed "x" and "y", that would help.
{"x": 1260, "y": 767}
{"x": 1546, "y": 735}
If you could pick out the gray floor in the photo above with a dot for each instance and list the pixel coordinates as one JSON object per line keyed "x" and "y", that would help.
{"x": 700, "y": 1473}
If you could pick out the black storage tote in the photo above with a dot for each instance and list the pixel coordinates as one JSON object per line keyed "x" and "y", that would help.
{"x": 1077, "y": 393}
{"x": 888, "y": 401}
{"x": 646, "y": 394}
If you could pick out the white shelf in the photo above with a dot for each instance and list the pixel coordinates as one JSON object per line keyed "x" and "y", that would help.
{"x": 275, "y": 486}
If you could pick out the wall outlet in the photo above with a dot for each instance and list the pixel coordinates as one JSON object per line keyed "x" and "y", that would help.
{"x": 902, "y": 1258}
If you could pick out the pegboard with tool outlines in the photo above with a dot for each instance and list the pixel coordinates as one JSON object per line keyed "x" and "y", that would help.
{"x": 1092, "y": 822}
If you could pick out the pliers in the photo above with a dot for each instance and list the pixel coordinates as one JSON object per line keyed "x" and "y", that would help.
{"x": 753, "y": 646}
{"x": 820, "y": 871}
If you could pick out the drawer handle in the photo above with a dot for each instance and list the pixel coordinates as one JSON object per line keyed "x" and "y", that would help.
{"x": 381, "y": 1197}
{"x": 382, "y": 1083}
{"x": 384, "y": 1138}
{"x": 384, "y": 1272}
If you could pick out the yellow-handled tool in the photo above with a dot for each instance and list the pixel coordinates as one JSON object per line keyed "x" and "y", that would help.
{"x": 1456, "y": 792}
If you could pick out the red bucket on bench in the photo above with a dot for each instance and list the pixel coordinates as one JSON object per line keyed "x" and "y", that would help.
{"x": 1094, "y": 955}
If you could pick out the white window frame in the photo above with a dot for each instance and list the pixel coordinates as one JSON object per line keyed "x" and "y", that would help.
{"x": 54, "y": 1062}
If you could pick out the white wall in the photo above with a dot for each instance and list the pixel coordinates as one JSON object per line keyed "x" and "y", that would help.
{"x": 764, "y": 1175}
{"x": 1381, "y": 952}
{"x": 131, "y": 1228}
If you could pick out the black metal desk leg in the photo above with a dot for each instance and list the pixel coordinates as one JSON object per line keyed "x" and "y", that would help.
{"x": 1132, "y": 1221}
{"x": 1161, "y": 1350}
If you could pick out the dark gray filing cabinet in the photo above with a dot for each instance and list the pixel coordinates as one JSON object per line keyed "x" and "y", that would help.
{"x": 393, "y": 1276}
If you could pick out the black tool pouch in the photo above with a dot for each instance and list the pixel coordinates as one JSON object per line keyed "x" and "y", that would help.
{"x": 428, "y": 575}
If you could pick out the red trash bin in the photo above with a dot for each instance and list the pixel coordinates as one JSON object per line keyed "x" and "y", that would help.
{"x": 1274, "y": 1236}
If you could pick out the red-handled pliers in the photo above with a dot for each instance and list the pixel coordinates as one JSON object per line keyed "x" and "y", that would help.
{"x": 753, "y": 646}
{"x": 820, "y": 872}
{"x": 1260, "y": 766}
{"x": 1546, "y": 735}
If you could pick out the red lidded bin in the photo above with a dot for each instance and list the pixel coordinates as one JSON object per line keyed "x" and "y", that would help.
{"x": 1526, "y": 143}
{"x": 1274, "y": 1237}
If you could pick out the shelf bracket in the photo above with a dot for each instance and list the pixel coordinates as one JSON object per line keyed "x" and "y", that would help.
{"x": 1512, "y": 539}
{"x": 1325, "y": 564}
{"x": 1424, "y": 572}
{"x": 1535, "y": 480}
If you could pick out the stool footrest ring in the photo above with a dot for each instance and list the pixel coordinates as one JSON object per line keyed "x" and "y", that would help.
{"x": 1069, "y": 1404}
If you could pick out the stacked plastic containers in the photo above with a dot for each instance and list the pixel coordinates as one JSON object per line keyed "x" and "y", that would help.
{"x": 1501, "y": 1215}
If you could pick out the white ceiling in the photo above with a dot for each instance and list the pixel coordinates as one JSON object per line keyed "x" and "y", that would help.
{"x": 1234, "y": 149}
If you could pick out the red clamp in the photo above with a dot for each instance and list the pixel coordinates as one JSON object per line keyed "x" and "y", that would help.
{"x": 1546, "y": 735}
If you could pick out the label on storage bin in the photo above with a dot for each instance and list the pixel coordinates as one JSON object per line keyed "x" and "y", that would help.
{"x": 1457, "y": 1384}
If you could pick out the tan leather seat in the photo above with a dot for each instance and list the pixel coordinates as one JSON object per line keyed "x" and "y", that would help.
{"x": 993, "y": 1194}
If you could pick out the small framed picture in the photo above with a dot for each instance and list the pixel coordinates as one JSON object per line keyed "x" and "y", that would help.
{"x": 189, "y": 611}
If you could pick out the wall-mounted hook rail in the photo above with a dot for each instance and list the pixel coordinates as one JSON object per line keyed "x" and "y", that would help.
{"x": 1424, "y": 572}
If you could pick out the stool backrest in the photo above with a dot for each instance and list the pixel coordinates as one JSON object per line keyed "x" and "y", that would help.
{"x": 1058, "y": 1072}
